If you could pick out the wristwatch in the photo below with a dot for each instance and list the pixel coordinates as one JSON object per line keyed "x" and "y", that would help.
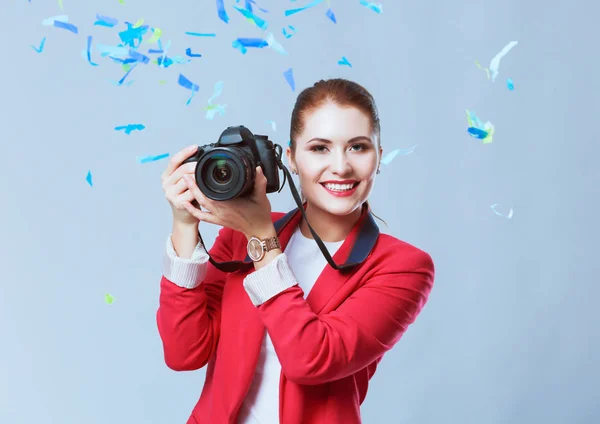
{"x": 257, "y": 247}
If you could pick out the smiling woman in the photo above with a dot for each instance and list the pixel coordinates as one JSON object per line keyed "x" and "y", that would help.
{"x": 290, "y": 337}
{"x": 334, "y": 140}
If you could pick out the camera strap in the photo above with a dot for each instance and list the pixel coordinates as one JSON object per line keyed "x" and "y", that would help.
{"x": 233, "y": 266}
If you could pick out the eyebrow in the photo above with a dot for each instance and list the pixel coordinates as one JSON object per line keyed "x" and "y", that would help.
{"x": 352, "y": 140}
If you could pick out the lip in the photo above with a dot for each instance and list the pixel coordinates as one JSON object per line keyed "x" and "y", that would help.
{"x": 339, "y": 182}
{"x": 341, "y": 193}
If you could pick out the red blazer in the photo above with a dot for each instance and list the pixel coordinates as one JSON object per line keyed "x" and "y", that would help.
{"x": 328, "y": 344}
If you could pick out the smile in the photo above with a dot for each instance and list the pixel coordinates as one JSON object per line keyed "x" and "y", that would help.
{"x": 340, "y": 190}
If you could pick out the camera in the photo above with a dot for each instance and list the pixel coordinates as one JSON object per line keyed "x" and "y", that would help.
{"x": 227, "y": 169}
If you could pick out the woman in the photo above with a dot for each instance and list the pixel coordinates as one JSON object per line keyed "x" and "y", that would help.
{"x": 289, "y": 339}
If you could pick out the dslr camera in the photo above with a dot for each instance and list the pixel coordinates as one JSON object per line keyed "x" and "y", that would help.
{"x": 227, "y": 169}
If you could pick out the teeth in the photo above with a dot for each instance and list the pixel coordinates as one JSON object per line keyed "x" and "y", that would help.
{"x": 339, "y": 187}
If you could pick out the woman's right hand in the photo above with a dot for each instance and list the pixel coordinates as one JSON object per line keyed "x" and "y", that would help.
{"x": 175, "y": 188}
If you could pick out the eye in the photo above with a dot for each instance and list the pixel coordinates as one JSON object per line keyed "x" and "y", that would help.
{"x": 361, "y": 145}
{"x": 317, "y": 148}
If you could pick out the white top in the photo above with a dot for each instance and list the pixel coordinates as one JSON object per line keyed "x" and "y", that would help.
{"x": 261, "y": 405}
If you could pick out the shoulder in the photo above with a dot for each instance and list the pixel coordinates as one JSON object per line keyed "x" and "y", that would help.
{"x": 395, "y": 254}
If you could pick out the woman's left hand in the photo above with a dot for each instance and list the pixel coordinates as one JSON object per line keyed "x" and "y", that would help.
{"x": 246, "y": 214}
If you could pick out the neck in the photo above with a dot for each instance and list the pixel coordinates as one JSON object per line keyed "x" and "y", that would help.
{"x": 329, "y": 227}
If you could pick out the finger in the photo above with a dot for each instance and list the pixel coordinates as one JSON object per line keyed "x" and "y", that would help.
{"x": 177, "y": 175}
{"x": 201, "y": 215}
{"x": 193, "y": 188}
{"x": 177, "y": 160}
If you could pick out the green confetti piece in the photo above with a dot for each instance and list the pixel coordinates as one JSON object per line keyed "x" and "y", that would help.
{"x": 109, "y": 299}
{"x": 139, "y": 23}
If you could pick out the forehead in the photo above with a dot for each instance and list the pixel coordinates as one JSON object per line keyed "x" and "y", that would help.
{"x": 333, "y": 122}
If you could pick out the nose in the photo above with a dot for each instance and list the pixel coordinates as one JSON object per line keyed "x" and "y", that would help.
{"x": 341, "y": 165}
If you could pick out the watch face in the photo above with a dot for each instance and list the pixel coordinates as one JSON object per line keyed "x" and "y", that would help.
{"x": 254, "y": 248}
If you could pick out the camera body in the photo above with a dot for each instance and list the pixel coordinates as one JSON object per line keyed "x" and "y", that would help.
{"x": 227, "y": 169}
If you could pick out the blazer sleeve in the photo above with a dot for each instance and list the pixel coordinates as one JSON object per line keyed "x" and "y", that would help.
{"x": 316, "y": 349}
{"x": 189, "y": 318}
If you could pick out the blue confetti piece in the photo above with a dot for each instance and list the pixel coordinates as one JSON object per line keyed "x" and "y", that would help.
{"x": 261, "y": 23}
{"x": 477, "y": 133}
{"x": 130, "y": 127}
{"x": 138, "y": 57}
{"x": 67, "y": 26}
{"x": 188, "y": 52}
{"x": 331, "y": 15}
{"x": 292, "y": 31}
{"x": 311, "y": 4}
{"x": 88, "y": 178}
{"x": 88, "y": 51}
{"x": 344, "y": 61}
{"x": 510, "y": 84}
{"x": 289, "y": 77}
{"x": 147, "y": 159}
{"x": 126, "y": 74}
{"x": 377, "y": 8}
{"x": 221, "y": 12}
{"x": 186, "y": 83}
{"x": 201, "y": 34}
{"x": 242, "y": 43}
{"x": 150, "y": 51}
{"x": 41, "y": 48}
{"x": 397, "y": 152}
{"x": 106, "y": 21}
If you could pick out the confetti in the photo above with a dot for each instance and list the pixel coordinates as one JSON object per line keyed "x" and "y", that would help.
{"x": 60, "y": 4}
{"x": 509, "y": 215}
{"x": 344, "y": 61}
{"x": 130, "y": 127}
{"x": 221, "y": 12}
{"x": 242, "y": 43}
{"x": 131, "y": 35}
{"x": 212, "y": 110}
{"x": 88, "y": 178}
{"x": 121, "y": 1}
{"x": 106, "y": 21}
{"x": 273, "y": 44}
{"x": 331, "y": 15}
{"x": 186, "y": 83}
{"x": 273, "y": 125}
{"x": 289, "y": 77}
{"x": 67, "y": 26}
{"x": 309, "y": 5}
{"x": 478, "y": 130}
{"x": 156, "y": 34}
{"x": 41, "y": 48}
{"x": 377, "y": 8}
{"x": 147, "y": 159}
{"x": 88, "y": 51}
{"x": 495, "y": 63}
{"x": 510, "y": 84}
{"x": 397, "y": 152}
{"x": 487, "y": 71}
{"x": 292, "y": 31}
{"x": 138, "y": 57}
{"x": 188, "y": 52}
{"x": 200, "y": 34}
{"x": 109, "y": 299}
{"x": 139, "y": 23}
{"x": 262, "y": 24}
{"x": 125, "y": 76}
{"x": 50, "y": 21}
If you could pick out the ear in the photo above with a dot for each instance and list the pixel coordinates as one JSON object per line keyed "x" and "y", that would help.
{"x": 288, "y": 154}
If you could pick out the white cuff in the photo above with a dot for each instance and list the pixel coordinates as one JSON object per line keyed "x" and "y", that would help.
{"x": 270, "y": 280}
{"x": 186, "y": 273}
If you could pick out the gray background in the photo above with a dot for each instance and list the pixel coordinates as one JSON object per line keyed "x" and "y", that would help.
{"x": 510, "y": 331}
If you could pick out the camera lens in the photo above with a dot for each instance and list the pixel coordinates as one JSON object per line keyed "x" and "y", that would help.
{"x": 225, "y": 173}
{"x": 222, "y": 172}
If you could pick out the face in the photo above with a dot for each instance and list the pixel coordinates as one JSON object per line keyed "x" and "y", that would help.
{"x": 336, "y": 145}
